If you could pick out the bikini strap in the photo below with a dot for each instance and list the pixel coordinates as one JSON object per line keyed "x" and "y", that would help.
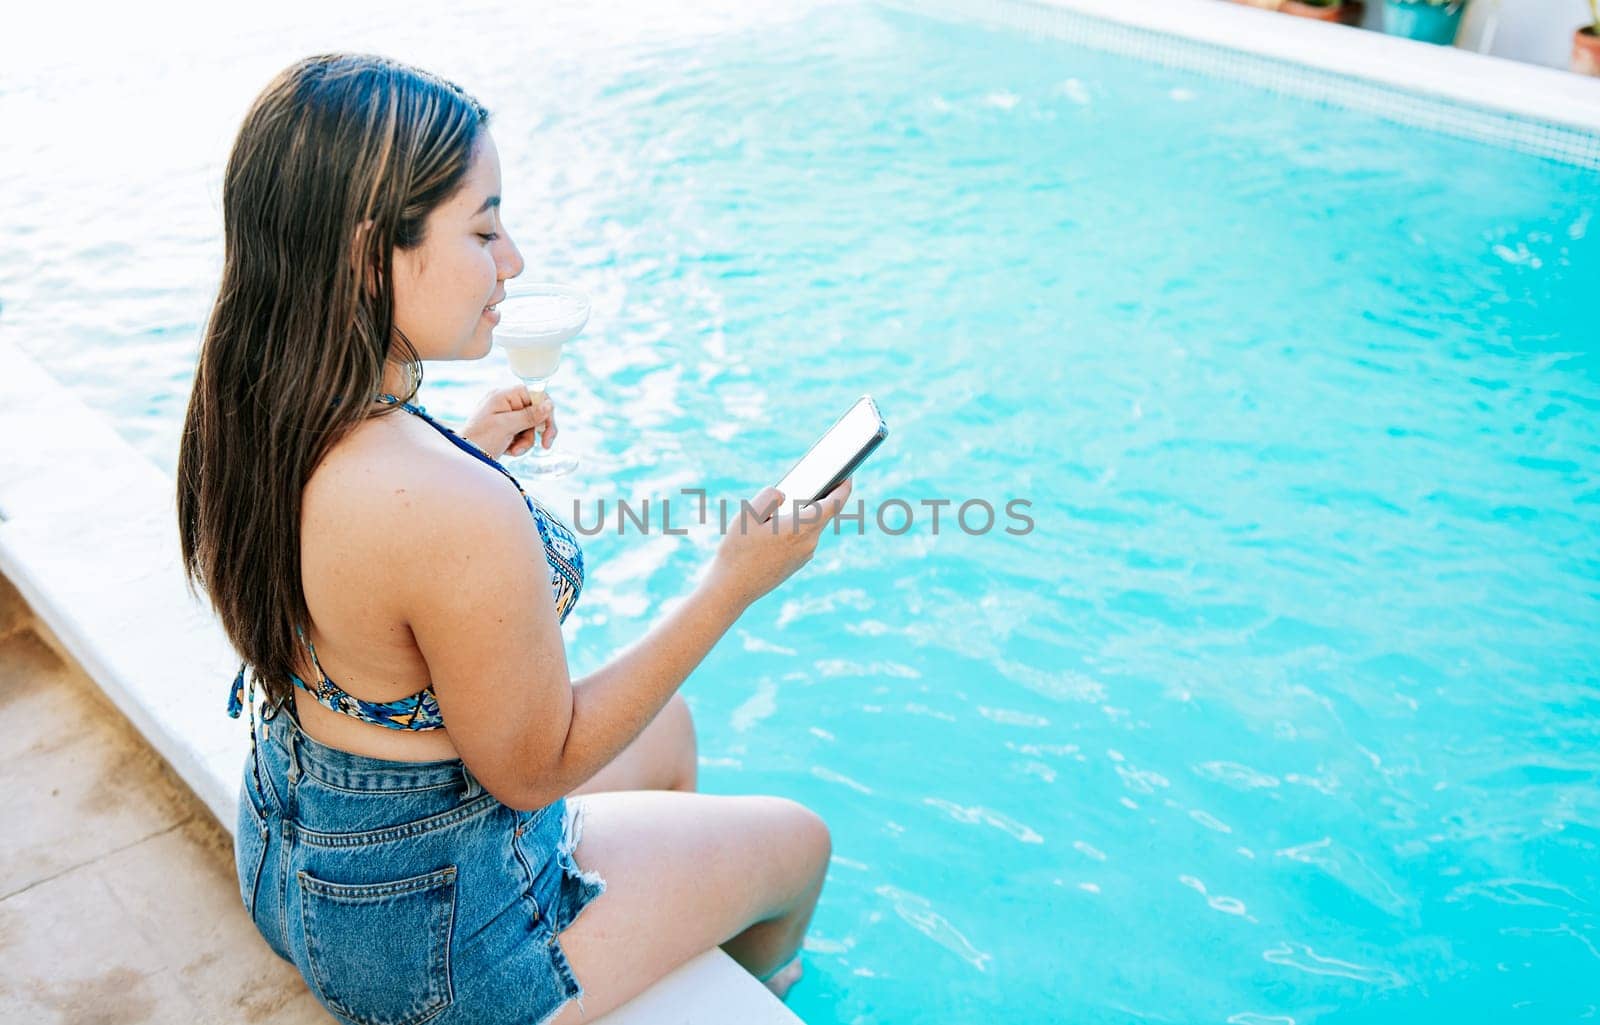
{"x": 238, "y": 700}
{"x": 458, "y": 440}
{"x": 568, "y": 565}
{"x": 541, "y": 514}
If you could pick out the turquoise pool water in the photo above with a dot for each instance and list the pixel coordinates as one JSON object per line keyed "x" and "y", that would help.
{"x": 1287, "y": 710}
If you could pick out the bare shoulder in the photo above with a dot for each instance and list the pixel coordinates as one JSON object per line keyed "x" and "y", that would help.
{"x": 375, "y": 470}
{"x": 393, "y": 489}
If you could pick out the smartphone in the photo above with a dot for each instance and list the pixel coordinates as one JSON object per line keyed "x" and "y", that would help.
{"x": 836, "y": 454}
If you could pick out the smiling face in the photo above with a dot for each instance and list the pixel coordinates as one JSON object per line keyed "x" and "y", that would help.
{"x": 444, "y": 288}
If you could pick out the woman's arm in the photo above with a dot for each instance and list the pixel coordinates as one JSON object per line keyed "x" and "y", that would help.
{"x": 481, "y": 609}
{"x": 612, "y": 705}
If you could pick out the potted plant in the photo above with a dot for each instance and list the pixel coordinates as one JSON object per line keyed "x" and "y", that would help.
{"x": 1322, "y": 10}
{"x": 1428, "y": 21}
{"x": 1348, "y": 12}
{"x": 1586, "y": 44}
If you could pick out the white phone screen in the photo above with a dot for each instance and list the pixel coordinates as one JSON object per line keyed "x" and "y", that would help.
{"x": 830, "y": 454}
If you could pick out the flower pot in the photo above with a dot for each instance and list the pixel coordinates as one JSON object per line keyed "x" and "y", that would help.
{"x": 1427, "y": 23}
{"x": 1586, "y": 51}
{"x": 1348, "y": 13}
{"x": 1304, "y": 10}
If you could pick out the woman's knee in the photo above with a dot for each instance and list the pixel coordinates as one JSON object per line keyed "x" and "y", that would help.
{"x": 807, "y": 836}
{"x": 688, "y": 747}
{"x": 816, "y": 836}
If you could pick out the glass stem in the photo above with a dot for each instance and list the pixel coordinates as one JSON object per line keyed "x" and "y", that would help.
{"x": 536, "y": 395}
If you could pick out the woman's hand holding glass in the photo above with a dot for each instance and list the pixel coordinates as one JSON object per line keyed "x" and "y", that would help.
{"x": 510, "y": 421}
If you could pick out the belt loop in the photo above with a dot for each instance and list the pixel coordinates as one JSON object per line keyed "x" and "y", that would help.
{"x": 291, "y": 742}
{"x": 293, "y": 745}
{"x": 474, "y": 788}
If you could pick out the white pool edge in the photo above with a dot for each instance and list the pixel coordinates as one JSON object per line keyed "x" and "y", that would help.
{"x": 88, "y": 536}
{"x": 1545, "y": 102}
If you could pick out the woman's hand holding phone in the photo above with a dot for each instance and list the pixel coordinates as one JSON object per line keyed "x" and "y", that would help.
{"x": 771, "y": 540}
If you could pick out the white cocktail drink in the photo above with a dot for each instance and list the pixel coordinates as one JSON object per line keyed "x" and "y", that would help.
{"x": 535, "y": 322}
{"x": 536, "y": 362}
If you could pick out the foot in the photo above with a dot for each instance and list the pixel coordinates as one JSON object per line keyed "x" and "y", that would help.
{"x": 781, "y": 980}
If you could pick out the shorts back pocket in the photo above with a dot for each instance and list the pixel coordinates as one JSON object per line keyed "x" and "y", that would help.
{"x": 379, "y": 953}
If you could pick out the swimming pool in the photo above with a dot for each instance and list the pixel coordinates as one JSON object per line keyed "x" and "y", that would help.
{"x": 1286, "y": 708}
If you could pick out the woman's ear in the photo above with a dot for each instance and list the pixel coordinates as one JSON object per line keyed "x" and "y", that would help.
{"x": 361, "y": 259}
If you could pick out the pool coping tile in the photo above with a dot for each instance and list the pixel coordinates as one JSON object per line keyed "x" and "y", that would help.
{"x": 1525, "y": 107}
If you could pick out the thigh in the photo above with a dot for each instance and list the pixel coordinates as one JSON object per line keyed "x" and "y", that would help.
{"x": 662, "y": 757}
{"x": 684, "y": 873}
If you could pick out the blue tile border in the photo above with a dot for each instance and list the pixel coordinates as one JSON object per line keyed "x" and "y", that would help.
{"x": 1546, "y": 138}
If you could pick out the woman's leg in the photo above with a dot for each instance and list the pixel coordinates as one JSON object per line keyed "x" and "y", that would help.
{"x": 686, "y": 872}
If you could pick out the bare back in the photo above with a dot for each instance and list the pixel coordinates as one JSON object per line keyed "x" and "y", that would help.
{"x": 355, "y": 558}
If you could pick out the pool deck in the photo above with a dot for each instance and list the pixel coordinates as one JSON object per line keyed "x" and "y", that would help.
{"x": 118, "y": 901}
{"x": 95, "y": 596}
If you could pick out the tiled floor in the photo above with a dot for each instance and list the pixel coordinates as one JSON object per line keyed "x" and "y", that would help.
{"x": 118, "y": 900}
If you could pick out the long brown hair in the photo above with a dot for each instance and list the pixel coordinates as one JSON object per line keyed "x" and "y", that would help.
{"x": 337, "y": 164}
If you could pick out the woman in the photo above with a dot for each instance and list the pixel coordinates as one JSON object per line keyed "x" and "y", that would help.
{"x": 410, "y": 819}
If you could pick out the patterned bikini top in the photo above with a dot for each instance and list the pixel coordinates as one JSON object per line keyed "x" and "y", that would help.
{"x": 420, "y": 711}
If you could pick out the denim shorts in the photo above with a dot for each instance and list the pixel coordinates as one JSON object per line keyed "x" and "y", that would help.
{"x": 403, "y": 891}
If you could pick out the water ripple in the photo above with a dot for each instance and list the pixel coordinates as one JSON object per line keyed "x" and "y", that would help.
{"x": 918, "y": 912}
{"x": 987, "y": 816}
{"x": 1348, "y": 867}
{"x": 1302, "y": 958}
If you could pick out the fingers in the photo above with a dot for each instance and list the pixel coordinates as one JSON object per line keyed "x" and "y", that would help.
{"x": 534, "y": 413}
{"x": 835, "y": 500}
{"x": 813, "y": 516}
{"x": 524, "y": 420}
{"x": 542, "y": 423}
{"x": 805, "y": 517}
{"x": 508, "y": 399}
{"x": 766, "y": 501}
